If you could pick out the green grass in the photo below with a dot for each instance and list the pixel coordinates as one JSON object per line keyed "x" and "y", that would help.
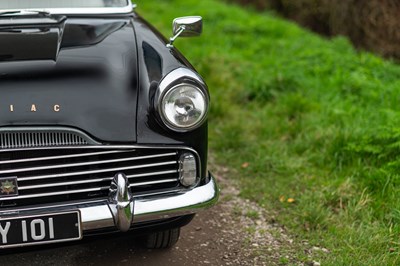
{"x": 315, "y": 120}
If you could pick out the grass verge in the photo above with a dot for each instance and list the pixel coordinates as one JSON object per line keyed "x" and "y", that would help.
{"x": 311, "y": 125}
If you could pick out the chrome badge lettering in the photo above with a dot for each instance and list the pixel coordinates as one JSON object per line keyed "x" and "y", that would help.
{"x": 33, "y": 108}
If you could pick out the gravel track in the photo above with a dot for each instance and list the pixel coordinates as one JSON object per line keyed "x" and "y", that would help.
{"x": 235, "y": 232}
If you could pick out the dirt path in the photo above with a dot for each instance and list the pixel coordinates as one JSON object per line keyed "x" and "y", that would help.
{"x": 235, "y": 232}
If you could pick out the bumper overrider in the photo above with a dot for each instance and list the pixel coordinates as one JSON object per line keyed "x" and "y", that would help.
{"x": 122, "y": 210}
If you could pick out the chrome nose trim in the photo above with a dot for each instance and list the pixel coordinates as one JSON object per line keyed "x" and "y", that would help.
{"x": 121, "y": 202}
{"x": 97, "y": 215}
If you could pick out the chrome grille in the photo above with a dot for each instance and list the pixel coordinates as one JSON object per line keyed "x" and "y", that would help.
{"x": 66, "y": 174}
{"x": 31, "y": 138}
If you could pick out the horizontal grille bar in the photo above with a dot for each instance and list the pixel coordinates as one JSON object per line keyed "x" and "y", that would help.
{"x": 95, "y": 180}
{"x": 163, "y": 181}
{"x": 71, "y": 192}
{"x": 96, "y": 171}
{"x": 48, "y": 167}
{"x": 56, "y": 193}
{"x": 88, "y": 181}
{"x": 60, "y": 157}
{"x": 54, "y": 175}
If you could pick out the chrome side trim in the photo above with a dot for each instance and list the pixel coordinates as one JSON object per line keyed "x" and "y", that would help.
{"x": 80, "y": 11}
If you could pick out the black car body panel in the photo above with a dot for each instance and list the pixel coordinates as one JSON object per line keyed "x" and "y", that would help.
{"x": 98, "y": 58}
{"x": 80, "y": 132}
{"x": 157, "y": 61}
{"x": 92, "y": 83}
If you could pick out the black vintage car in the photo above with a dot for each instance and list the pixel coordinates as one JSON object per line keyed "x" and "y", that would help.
{"x": 103, "y": 124}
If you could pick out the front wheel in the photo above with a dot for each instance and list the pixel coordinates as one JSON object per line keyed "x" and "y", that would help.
{"x": 163, "y": 239}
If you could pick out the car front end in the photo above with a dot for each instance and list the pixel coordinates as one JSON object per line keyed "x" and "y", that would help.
{"x": 103, "y": 126}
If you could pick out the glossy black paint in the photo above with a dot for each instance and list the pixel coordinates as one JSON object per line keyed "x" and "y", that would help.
{"x": 42, "y": 35}
{"x": 104, "y": 79}
{"x": 93, "y": 81}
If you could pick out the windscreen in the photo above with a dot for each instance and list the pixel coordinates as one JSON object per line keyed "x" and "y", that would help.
{"x": 32, "y": 4}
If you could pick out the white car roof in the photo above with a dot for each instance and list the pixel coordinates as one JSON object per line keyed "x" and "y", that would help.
{"x": 69, "y": 6}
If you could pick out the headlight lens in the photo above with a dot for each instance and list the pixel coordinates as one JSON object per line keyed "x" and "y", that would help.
{"x": 184, "y": 107}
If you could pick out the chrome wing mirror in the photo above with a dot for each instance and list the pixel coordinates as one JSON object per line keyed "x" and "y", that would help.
{"x": 186, "y": 27}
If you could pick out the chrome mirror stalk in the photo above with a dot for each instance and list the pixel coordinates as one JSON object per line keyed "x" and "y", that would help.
{"x": 186, "y": 27}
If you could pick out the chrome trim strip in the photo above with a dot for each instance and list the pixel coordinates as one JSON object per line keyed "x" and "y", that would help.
{"x": 154, "y": 182}
{"x": 13, "y": 210}
{"x": 88, "y": 181}
{"x": 80, "y": 11}
{"x": 176, "y": 74}
{"x": 161, "y": 192}
{"x": 48, "y": 167}
{"x": 153, "y": 173}
{"x": 56, "y": 193}
{"x": 64, "y": 156}
{"x": 96, "y": 171}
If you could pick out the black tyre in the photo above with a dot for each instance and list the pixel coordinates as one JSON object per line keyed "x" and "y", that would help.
{"x": 164, "y": 239}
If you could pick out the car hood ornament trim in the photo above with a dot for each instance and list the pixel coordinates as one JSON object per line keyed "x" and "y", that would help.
{"x": 121, "y": 202}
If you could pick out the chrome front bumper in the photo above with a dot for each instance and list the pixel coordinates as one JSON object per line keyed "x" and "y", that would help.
{"x": 97, "y": 215}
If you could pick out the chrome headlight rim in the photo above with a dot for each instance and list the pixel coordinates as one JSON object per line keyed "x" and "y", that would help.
{"x": 163, "y": 115}
{"x": 178, "y": 77}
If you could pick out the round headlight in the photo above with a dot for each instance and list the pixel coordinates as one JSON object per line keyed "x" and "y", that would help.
{"x": 184, "y": 107}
